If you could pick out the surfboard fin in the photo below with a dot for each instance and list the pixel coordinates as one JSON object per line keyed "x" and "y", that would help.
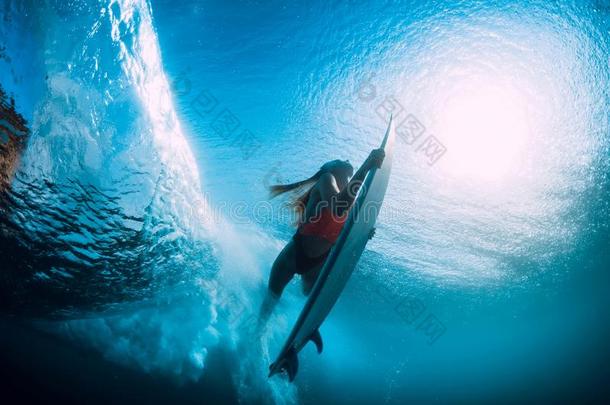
{"x": 372, "y": 233}
{"x": 289, "y": 364}
{"x": 316, "y": 338}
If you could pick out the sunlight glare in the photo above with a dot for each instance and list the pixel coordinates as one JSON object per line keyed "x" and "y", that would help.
{"x": 485, "y": 129}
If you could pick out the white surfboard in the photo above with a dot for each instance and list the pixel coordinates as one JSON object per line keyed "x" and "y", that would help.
{"x": 340, "y": 264}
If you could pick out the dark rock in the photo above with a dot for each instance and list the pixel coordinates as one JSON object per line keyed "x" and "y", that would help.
{"x": 14, "y": 134}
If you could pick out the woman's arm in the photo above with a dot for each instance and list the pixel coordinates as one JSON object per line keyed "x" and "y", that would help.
{"x": 346, "y": 197}
{"x": 341, "y": 201}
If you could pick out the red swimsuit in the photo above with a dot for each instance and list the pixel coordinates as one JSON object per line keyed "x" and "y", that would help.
{"x": 326, "y": 226}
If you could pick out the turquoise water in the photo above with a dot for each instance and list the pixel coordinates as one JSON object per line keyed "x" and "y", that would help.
{"x": 138, "y": 227}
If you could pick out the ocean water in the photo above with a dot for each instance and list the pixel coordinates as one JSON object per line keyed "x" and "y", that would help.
{"x": 138, "y": 235}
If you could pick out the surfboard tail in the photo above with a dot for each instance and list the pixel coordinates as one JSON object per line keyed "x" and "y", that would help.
{"x": 288, "y": 363}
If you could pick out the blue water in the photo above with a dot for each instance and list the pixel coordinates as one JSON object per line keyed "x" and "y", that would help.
{"x": 138, "y": 226}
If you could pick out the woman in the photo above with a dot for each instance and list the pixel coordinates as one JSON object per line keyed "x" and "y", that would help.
{"x": 322, "y": 209}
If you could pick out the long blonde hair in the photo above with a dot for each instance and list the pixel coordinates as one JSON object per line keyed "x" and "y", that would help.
{"x": 301, "y": 190}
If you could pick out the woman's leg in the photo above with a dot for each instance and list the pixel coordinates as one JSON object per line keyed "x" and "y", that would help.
{"x": 309, "y": 278}
{"x": 282, "y": 271}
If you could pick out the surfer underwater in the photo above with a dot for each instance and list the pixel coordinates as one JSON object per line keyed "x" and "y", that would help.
{"x": 321, "y": 209}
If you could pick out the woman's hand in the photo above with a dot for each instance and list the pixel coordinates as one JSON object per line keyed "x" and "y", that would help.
{"x": 375, "y": 159}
